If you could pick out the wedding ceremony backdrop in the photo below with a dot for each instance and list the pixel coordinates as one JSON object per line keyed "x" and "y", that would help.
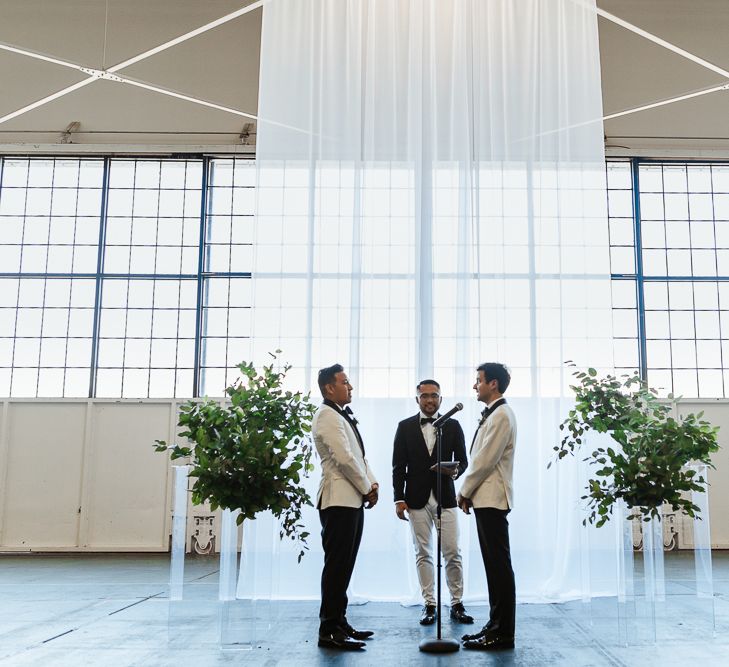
{"x": 429, "y": 191}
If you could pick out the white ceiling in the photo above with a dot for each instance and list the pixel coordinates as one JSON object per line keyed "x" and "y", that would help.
{"x": 221, "y": 66}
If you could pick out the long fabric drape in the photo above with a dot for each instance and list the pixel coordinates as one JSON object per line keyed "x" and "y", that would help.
{"x": 430, "y": 195}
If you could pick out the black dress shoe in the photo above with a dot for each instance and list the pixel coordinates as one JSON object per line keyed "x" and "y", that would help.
{"x": 478, "y": 635}
{"x": 459, "y": 615}
{"x": 338, "y": 640}
{"x": 490, "y": 642}
{"x": 428, "y": 616}
{"x": 356, "y": 634}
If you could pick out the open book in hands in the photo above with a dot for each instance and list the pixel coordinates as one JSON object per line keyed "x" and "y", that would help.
{"x": 446, "y": 467}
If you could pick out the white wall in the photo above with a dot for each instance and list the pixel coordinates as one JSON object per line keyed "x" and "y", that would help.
{"x": 717, "y": 412}
{"x": 83, "y": 476}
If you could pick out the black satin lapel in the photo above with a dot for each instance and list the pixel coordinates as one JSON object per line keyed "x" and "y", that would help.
{"x": 349, "y": 421}
{"x": 499, "y": 403}
{"x": 418, "y": 434}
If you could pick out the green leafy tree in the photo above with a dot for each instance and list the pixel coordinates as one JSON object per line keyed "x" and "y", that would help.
{"x": 648, "y": 466}
{"x": 251, "y": 452}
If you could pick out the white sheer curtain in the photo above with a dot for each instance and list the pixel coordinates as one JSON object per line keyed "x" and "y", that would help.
{"x": 431, "y": 196}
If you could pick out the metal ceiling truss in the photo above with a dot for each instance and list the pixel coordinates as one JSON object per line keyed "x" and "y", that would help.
{"x": 111, "y": 73}
{"x": 675, "y": 49}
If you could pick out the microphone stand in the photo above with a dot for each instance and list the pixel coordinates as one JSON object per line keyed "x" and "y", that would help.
{"x": 439, "y": 645}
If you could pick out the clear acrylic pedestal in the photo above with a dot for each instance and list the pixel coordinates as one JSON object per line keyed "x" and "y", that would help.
{"x": 646, "y": 596}
{"x": 641, "y": 579}
{"x": 654, "y": 606}
{"x": 192, "y": 604}
{"x": 232, "y": 611}
{"x": 246, "y": 591}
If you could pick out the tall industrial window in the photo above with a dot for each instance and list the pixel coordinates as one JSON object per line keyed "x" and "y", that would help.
{"x": 123, "y": 277}
{"x": 669, "y": 234}
{"x": 623, "y": 267}
{"x": 226, "y": 303}
{"x": 49, "y": 246}
{"x": 131, "y": 277}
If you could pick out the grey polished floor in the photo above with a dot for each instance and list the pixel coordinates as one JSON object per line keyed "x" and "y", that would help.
{"x": 113, "y": 610}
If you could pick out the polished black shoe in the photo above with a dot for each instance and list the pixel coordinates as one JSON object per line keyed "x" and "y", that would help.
{"x": 356, "y": 634}
{"x": 490, "y": 642}
{"x": 478, "y": 635}
{"x": 459, "y": 615}
{"x": 428, "y": 615}
{"x": 338, "y": 640}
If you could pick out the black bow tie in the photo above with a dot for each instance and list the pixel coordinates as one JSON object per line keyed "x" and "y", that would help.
{"x": 426, "y": 420}
{"x": 348, "y": 411}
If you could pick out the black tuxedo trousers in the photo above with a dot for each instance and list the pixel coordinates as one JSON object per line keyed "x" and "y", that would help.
{"x": 341, "y": 533}
{"x": 493, "y": 538}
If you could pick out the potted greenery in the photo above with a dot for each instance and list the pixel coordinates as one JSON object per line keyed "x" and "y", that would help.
{"x": 647, "y": 468}
{"x": 249, "y": 453}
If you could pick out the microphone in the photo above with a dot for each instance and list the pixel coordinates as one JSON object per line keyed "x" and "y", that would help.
{"x": 444, "y": 418}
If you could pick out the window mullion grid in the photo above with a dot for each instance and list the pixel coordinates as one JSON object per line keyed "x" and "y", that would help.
{"x": 20, "y": 277}
{"x": 154, "y": 283}
{"x": 693, "y": 287}
{"x": 639, "y": 276}
{"x": 230, "y": 267}
{"x": 129, "y": 283}
{"x": 71, "y": 282}
{"x": 179, "y": 284}
{"x": 45, "y": 282}
{"x": 718, "y": 280}
{"x": 196, "y": 374}
{"x": 668, "y": 286}
{"x": 99, "y": 278}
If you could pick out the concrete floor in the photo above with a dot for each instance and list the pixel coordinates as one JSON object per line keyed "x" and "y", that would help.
{"x": 113, "y": 610}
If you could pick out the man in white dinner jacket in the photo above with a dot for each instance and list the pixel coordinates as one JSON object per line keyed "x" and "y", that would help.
{"x": 347, "y": 485}
{"x": 487, "y": 487}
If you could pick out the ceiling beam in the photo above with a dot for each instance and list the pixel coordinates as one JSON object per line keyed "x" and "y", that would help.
{"x": 109, "y": 74}
{"x": 674, "y": 49}
{"x": 671, "y": 100}
{"x": 662, "y": 42}
{"x": 46, "y": 99}
{"x": 188, "y": 35}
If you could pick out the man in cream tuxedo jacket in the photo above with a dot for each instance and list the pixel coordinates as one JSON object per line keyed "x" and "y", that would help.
{"x": 347, "y": 485}
{"x": 488, "y": 488}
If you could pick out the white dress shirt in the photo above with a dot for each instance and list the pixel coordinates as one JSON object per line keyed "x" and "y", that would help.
{"x": 429, "y": 431}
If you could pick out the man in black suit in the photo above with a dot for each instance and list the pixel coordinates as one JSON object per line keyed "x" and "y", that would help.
{"x": 415, "y": 487}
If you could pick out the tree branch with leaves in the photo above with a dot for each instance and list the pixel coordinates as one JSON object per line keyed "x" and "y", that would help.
{"x": 250, "y": 452}
{"x": 648, "y": 465}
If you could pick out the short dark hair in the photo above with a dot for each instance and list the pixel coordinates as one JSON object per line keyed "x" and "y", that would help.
{"x": 328, "y": 376}
{"x": 422, "y": 382}
{"x": 495, "y": 371}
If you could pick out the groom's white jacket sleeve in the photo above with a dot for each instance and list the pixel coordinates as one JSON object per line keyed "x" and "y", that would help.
{"x": 489, "y": 479}
{"x": 346, "y": 476}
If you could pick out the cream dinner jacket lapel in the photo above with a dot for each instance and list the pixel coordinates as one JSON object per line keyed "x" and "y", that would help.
{"x": 488, "y": 482}
{"x": 346, "y": 476}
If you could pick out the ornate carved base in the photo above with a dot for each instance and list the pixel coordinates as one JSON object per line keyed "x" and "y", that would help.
{"x": 203, "y": 538}
{"x": 678, "y": 530}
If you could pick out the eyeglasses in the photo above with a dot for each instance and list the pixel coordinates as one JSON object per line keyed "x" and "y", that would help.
{"x": 433, "y": 396}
